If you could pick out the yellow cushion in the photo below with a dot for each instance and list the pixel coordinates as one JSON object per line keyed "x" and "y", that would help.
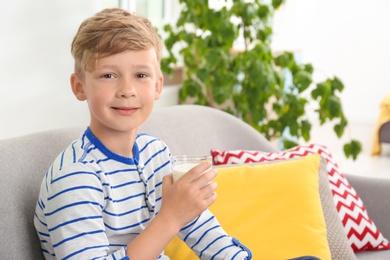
{"x": 273, "y": 209}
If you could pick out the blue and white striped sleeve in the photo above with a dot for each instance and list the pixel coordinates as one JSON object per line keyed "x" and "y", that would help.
{"x": 73, "y": 214}
{"x": 208, "y": 240}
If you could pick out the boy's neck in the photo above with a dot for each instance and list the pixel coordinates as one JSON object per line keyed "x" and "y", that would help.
{"x": 117, "y": 142}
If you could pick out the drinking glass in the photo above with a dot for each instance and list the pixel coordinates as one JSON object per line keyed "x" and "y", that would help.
{"x": 183, "y": 163}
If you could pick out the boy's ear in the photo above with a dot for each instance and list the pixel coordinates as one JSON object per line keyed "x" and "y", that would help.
{"x": 159, "y": 86}
{"x": 77, "y": 87}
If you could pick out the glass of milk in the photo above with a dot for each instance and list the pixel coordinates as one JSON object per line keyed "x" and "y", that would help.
{"x": 181, "y": 164}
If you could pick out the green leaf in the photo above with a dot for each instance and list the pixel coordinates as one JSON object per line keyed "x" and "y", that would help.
{"x": 305, "y": 130}
{"x": 191, "y": 88}
{"x": 309, "y": 68}
{"x": 277, "y": 3}
{"x": 352, "y": 149}
{"x": 287, "y": 144}
{"x": 284, "y": 60}
{"x": 302, "y": 80}
{"x": 322, "y": 89}
{"x": 203, "y": 74}
{"x": 337, "y": 85}
{"x": 263, "y": 11}
{"x": 294, "y": 128}
{"x": 334, "y": 107}
{"x": 339, "y": 130}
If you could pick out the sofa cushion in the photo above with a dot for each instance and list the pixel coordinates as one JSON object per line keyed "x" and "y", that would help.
{"x": 360, "y": 229}
{"x": 337, "y": 239}
{"x": 268, "y": 208}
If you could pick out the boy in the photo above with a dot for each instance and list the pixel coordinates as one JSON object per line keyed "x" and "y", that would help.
{"x": 110, "y": 194}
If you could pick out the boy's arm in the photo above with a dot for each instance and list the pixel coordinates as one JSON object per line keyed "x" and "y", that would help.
{"x": 208, "y": 239}
{"x": 182, "y": 202}
{"x": 73, "y": 214}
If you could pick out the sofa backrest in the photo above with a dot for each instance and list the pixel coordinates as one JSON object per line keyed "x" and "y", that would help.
{"x": 194, "y": 129}
{"x": 24, "y": 161}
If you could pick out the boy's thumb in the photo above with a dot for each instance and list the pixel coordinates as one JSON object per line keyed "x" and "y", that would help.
{"x": 167, "y": 181}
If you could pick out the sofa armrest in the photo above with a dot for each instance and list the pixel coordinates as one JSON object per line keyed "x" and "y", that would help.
{"x": 375, "y": 194}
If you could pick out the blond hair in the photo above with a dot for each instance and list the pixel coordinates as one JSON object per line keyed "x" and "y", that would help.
{"x": 112, "y": 31}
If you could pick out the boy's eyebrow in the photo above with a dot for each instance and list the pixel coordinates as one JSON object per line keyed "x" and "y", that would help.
{"x": 142, "y": 66}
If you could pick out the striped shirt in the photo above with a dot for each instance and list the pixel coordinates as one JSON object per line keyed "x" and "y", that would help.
{"x": 93, "y": 202}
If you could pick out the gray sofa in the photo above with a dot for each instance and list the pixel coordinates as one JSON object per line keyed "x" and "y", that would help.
{"x": 185, "y": 128}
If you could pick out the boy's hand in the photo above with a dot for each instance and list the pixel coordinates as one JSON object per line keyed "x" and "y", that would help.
{"x": 189, "y": 196}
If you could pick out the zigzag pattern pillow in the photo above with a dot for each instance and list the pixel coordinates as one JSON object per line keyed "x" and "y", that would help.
{"x": 360, "y": 229}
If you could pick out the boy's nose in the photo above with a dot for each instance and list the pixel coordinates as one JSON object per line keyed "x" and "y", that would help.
{"x": 127, "y": 90}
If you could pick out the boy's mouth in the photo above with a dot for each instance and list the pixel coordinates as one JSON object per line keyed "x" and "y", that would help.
{"x": 125, "y": 111}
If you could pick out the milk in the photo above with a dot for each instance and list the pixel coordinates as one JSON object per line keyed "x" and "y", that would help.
{"x": 181, "y": 164}
{"x": 181, "y": 168}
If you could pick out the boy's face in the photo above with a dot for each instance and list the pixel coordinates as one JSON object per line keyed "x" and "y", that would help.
{"x": 120, "y": 91}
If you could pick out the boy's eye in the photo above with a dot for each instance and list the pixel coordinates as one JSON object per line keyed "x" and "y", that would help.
{"x": 141, "y": 75}
{"x": 108, "y": 76}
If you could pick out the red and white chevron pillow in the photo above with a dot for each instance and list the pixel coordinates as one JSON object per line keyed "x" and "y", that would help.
{"x": 359, "y": 227}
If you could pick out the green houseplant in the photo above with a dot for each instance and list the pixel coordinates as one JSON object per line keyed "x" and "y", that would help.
{"x": 250, "y": 82}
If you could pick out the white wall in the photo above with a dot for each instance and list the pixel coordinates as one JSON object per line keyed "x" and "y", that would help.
{"x": 346, "y": 38}
{"x": 36, "y": 64}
